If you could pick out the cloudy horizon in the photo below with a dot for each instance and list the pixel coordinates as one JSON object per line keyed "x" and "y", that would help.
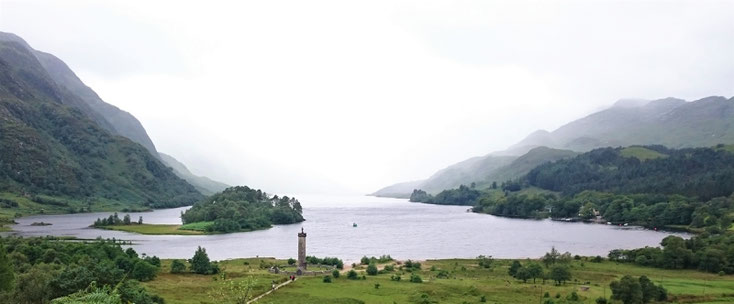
{"x": 335, "y": 96}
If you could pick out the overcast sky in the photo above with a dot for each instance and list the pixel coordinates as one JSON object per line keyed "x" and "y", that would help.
{"x": 303, "y": 96}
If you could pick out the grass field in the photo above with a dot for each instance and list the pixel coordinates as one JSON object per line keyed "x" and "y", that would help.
{"x": 466, "y": 282}
{"x": 154, "y": 229}
{"x": 641, "y": 153}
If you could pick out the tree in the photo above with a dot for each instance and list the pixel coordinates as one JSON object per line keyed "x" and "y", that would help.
{"x": 513, "y": 268}
{"x": 144, "y": 271}
{"x": 365, "y": 260}
{"x": 126, "y": 219}
{"x": 7, "y": 277}
{"x": 140, "y": 220}
{"x": 650, "y": 292}
{"x": 372, "y": 269}
{"x": 485, "y": 261}
{"x": 352, "y": 275}
{"x": 627, "y": 290}
{"x": 587, "y": 211}
{"x": 291, "y": 261}
{"x": 560, "y": 274}
{"x": 327, "y": 279}
{"x": 535, "y": 271}
{"x": 177, "y": 266}
{"x": 551, "y": 257}
{"x": 335, "y": 273}
{"x": 523, "y": 274}
{"x": 200, "y": 262}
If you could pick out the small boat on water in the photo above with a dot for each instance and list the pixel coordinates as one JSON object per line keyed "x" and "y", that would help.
{"x": 354, "y": 224}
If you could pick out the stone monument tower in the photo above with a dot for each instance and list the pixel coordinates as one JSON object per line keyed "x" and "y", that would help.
{"x": 301, "y": 251}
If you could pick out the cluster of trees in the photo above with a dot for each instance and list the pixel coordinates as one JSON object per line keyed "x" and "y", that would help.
{"x": 372, "y": 260}
{"x": 706, "y": 252}
{"x": 557, "y": 266}
{"x": 463, "y": 195}
{"x": 37, "y": 270}
{"x": 336, "y": 262}
{"x": 629, "y": 290}
{"x": 704, "y": 173}
{"x": 242, "y": 209}
{"x": 114, "y": 220}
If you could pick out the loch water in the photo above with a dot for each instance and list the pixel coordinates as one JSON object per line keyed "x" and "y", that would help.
{"x": 383, "y": 226}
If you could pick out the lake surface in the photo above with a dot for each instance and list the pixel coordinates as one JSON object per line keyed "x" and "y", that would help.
{"x": 385, "y": 226}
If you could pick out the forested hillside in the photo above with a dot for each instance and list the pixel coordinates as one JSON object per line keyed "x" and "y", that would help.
{"x": 695, "y": 172}
{"x": 50, "y": 146}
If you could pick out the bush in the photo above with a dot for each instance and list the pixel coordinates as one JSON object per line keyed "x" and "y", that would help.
{"x": 291, "y": 261}
{"x": 327, "y": 279}
{"x": 395, "y": 278}
{"x": 372, "y": 269}
{"x": 177, "y": 266}
{"x": 573, "y": 296}
{"x": 364, "y": 261}
{"x": 414, "y": 278}
{"x": 352, "y": 275}
{"x": 601, "y": 300}
{"x": 144, "y": 271}
{"x": 335, "y": 274}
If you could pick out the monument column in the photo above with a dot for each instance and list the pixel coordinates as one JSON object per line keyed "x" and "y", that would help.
{"x": 302, "y": 250}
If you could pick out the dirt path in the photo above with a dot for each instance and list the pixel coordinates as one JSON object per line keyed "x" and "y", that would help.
{"x": 270, "y": 291}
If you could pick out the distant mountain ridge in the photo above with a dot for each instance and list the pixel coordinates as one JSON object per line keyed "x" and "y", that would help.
{"x": 204, "y": 184}
{"x": 671, "y": 122}
{"x": 481, "y": 171}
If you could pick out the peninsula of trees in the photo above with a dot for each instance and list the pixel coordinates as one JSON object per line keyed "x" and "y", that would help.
{"x": 242, "y": 209}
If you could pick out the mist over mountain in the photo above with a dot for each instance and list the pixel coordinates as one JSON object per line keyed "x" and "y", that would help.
{"x": 55, "y": 143}
{"x": 670, "y": 122}
{"x": 204, "y": 184}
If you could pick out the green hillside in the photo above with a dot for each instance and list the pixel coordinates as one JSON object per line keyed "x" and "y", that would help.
{"x": 49, "y": 146}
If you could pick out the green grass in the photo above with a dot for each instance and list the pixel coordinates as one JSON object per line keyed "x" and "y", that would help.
{"x": 154, "y": 229}
{"x": 641, "y": 153}
{"x": 192, "y": 288}
{"x": 197, "y": 226}
{"x": 467, "y": 282}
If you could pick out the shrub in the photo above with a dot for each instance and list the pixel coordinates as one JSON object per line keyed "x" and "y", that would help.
{"x": 573, "y": 296}
{"x": 377, "y": 285}
{"x": 177, "y": 266}
{"x": 291, "y": 261}
{"x": 352, "y": 275}
{"x": 143, "y": 271}
{"x": 372, "y": 269}
{"x": 335, "y": 274}
{"x": 327, "y": 279}
{"x": 601, "y": 300}
{"x": 364, "y": 261}
{"x": 395, "y": 278}
{"x": 414, "y": 278}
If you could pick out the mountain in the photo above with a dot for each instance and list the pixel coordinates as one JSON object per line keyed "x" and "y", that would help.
{"x": 671, "y": 122}
{"x": 523, "y": 164}
{"x": 479, "y": 170}
{"x": 674, "y": 123}
{"x": 106, "y": 115}
{"x": 399, "y": 190}
{"x": 53, "y": 143}
{"x": 204, "y": 184}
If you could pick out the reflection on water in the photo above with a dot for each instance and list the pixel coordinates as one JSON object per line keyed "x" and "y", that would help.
{"x": 384, "y": 226}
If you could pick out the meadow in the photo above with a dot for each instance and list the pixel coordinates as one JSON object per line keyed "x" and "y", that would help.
{"x": 444, "y": 281}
